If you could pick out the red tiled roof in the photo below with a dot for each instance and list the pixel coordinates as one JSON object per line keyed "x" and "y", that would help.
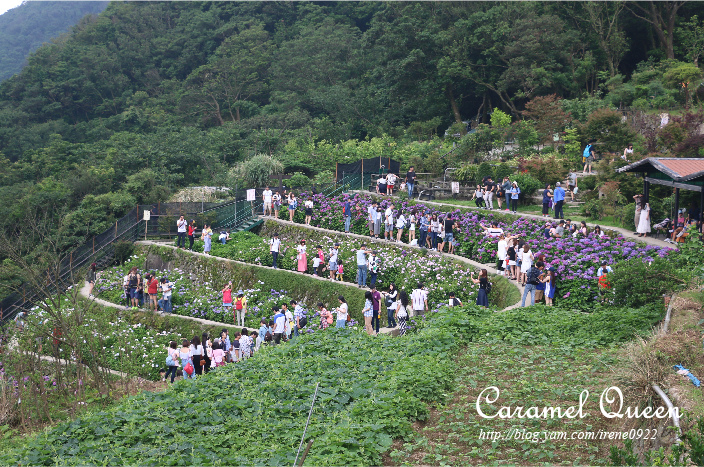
{"x": 683, "y": 167}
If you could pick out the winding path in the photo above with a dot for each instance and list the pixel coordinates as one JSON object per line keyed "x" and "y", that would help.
{"x": 489, "y": 267}
{"x": 624, "y": 232}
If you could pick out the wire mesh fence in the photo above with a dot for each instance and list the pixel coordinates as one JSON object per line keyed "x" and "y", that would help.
{"x": 130, "y": 228}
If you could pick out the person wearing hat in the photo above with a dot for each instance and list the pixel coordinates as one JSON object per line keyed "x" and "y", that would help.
{"x": 301, "y": 257}
{"x": 332, "y": 265}
{"x": 191, "y": 234}
{"x": 274, "y": 247}
{"x": 240, "y": 307}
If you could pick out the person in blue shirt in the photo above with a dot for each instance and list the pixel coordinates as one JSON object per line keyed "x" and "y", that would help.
{"x": 559, "y": 198}
{"x": 515, "y": 191}
{"x": 547, "y": 194}
{"x": 347, "y": 213}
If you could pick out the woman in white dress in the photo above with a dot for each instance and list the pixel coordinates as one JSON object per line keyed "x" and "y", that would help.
{"x": 526, "y": 262}
{"x": 644, "y": 223}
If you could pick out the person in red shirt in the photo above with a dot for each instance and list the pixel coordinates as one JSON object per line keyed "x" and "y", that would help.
{"x": 191, "y": 234}
{"x": 152, "y": 290}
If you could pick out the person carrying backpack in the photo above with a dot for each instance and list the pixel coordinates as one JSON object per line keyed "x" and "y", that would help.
{"x": 240, "y": 308}
{"x": 588, "y": 157}
{"x": 532, "y": 279}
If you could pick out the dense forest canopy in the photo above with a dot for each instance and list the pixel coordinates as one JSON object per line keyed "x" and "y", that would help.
{"x": 148, "y": 97}
{"x": 24, "y": 28}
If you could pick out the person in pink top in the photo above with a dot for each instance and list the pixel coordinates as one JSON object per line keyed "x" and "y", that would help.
{"x": 218, "y": 353}
{"x": 227, "y": 295}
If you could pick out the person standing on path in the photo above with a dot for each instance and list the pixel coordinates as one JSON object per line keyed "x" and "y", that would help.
{"x": 572, "y": 184}
{"x": 424, "y": 223}
{"x": 90, "y": 279}
{"x": 292, "y": 205}
{"x": 191, "y": 234}
{"x": 274, "y": 248}
{"x": 400, "y": 225}
{"x": 490, "y": 189}
{"x": 368, "y": 313}
{"x": 389, "y": 223}
{"x": 450, "y": 225}
{"x": 402, "y": 313}
{"x": 347, "y": 213}
{"x": 413, "y": 219}
{"x": 390, "y": 183}
{"x": 559, "y": 198}
{"x": 362, "y": 266}
{"x": 526, "y": 262}
{"x": 506, "y": 187}
{"x": 309, "y": 210}
{"x": 483, "y": 281}
{"x": 207, "y": 236}
{"x": 547, "y": 194}
{"x": 532, "y": 279}
{"x": 301, "y": 256}
{"x": 297, "y": 316}
{"x": 376, "y": 307}
{"x": 186, "y": 359}
{"x": 276, "y": 201}
{"x": 153, "y": 292}
{"x": 410, "y": 181}
{"x": 588, "y": 157}
{"x": 181, "y": 226}
{"x": 135, "y": 281}
{"x": 240, "y": 307}
{"x": 373, "y": 267}
{"x": 419, "y": 297}
{"x": 644, "y": 223}
{"x": 332, "y": 265}
{"x": 515, "y": 191}
{"x": 341, "y": 312}
{"x": 391, "y": 302}
{"x": 172, "y": 361}
{"x": 279, "y": 325}
{"x": 371, "y": 217}
{"x": 639, "y": 207}
{"x": 267, "y": 197}
{"x": 227, "y": 298}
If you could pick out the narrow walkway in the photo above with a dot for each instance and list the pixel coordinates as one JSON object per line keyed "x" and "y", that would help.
{"x": 628, "y": 234}
{"x": 489, "y": 267}
{"x": 99, "y": 301}
{"x": 46, "y": 358}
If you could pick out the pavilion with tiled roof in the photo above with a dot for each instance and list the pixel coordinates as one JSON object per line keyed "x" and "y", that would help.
{"x": 684, "y": 173}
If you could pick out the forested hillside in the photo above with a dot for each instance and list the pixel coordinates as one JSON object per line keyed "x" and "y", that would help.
{"x": 24, "y": 28}
{"x": 147, "y": 98}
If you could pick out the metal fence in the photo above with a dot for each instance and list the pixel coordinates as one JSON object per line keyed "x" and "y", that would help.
{"x": 163, "y": 216}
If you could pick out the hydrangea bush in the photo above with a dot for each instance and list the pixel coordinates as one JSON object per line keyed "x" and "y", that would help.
{"x": 201, "y": 299}
{"x": 576, "y": 259}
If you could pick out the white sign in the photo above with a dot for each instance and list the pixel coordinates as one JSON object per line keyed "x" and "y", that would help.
{"x": 251, "y": 195}
{"x": 147, "y": 215}
{"x": 455, "y": 187}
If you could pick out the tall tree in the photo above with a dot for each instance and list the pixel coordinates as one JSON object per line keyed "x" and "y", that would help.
{"x": 661, "y": 16}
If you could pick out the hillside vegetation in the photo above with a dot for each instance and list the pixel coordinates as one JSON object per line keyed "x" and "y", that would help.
{"x": 24, "y": 28}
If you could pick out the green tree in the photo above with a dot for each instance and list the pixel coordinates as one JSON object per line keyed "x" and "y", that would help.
{"x": 683, "y": 75}
{"x": 258, "y": 170}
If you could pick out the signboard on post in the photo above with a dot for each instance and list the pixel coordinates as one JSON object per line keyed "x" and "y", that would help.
{"x": 251, "y": 195}
{"x": 455, "y": 187}
{"x": 147, "y": 215}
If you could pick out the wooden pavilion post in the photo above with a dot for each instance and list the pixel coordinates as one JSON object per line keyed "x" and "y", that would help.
{"x": 677, "y": 204}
